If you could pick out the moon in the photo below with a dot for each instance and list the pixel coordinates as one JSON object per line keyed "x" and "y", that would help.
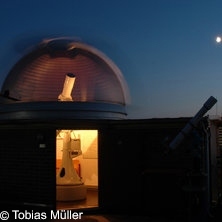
{"x": 218, "y": 39}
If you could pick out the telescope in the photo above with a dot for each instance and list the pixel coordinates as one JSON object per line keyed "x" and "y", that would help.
{"x": 192, "y": 123}
{"x": 69, "y": 186}
{"x": 67, "y": 88}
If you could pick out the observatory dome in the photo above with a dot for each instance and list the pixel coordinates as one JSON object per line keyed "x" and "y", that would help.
{"x": 39, "y": 75}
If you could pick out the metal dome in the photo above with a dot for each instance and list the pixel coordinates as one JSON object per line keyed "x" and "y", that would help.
{"x": 39, "y": 76}
{"x": 32, "y": 89}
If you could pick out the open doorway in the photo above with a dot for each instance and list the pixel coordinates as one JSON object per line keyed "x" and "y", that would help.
{"x": 83, "y": 158}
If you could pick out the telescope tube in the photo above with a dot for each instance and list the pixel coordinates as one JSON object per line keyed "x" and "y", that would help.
{"x": 192, "y": 123}
{"x": 67, "y": 88}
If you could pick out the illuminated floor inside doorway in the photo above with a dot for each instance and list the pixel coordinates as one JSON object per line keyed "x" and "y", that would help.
{"x": 91, "y": 201}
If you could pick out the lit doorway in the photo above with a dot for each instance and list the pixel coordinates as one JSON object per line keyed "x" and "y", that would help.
{"x": 83, "y": 156}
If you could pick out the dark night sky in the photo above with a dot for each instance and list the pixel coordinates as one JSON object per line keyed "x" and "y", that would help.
{"x": 165, "y": 49}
